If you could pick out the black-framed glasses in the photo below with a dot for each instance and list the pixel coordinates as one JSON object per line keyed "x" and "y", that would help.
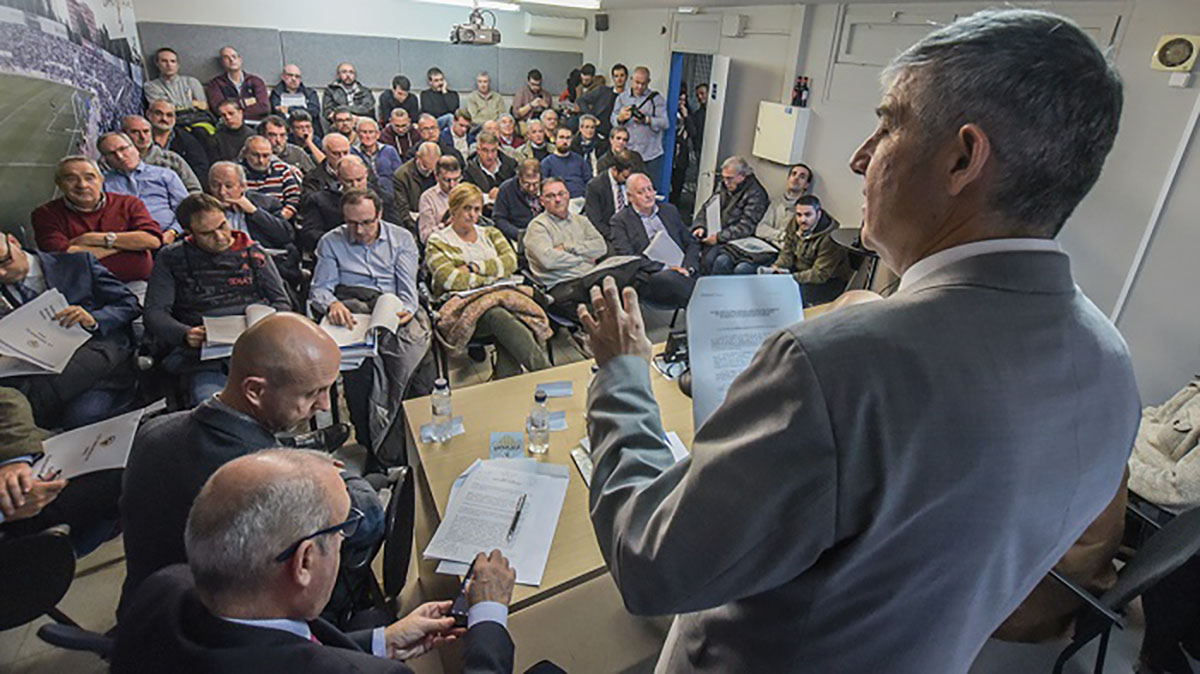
{"x": 346, "y": 529}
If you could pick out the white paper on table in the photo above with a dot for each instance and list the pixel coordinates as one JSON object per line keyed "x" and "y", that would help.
{"x": 728, "y": 318}
{"x": 712, "y": 215}
{"x": 292, "y": 100}
{"x": 226, "y": 329}
{"x": 31, "y": 333}
{"x": 663, "y": 249}
{"x": 480, "y": 512}
{"x": 99, "y": 446}
{"x": 383, "y": 317}
{"x": 518, "y": 463}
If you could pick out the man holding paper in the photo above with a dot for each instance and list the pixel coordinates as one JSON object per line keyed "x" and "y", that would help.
{"x": 96, "y": 381}
{"x": 362, "y": 263}
{"x": 213, "y": 271}
{"x": 656, "y": 232}
{"x": 932, "y": 454}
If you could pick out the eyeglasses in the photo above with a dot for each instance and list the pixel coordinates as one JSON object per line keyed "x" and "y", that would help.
{"x": 347, "y": 529}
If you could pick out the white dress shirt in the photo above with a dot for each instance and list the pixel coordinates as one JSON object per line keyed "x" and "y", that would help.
{"x": 943, "y": 258}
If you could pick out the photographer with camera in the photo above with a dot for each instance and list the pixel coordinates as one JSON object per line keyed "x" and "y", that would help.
{"x": 643, "y": 112}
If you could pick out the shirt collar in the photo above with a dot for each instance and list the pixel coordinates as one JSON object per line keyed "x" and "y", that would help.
{"x": 944, "y": 258}
{"x": 297, "y": 627}
{"x": 99, "y": 205}
{"x": 647, "y": 217}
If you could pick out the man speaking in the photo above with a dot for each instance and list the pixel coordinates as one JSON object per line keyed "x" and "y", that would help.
{"x": 886, "y": 483}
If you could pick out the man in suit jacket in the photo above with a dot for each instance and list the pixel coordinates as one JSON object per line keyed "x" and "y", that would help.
{"x": 607, "y": 193}
{"x": 633, "y": 227}
{"x": 932, "y": 454}
{"x": 96, "y": 382}
{"x": 262, "y": 545}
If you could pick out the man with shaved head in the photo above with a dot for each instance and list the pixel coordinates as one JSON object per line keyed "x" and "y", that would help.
{"x": 322, "y": 211}
{"x": 279, "y": 377}
{"x": 336, "y": 146}
{"x": 270, "y": 175}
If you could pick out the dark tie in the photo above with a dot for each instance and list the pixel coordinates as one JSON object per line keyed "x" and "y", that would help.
{"x": 620, "y": 197}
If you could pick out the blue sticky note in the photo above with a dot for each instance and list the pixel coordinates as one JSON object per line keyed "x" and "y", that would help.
{"x": 506, "y": 445}
{"x": 557, "y": 389}
{"x": 456, "y": 428}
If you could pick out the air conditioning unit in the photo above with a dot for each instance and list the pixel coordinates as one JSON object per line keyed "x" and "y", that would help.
{"x": 554, "y": 26}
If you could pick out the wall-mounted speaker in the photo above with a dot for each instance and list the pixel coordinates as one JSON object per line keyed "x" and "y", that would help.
{"x": 1176, "y": 53}
{"x": 601, "y": 23}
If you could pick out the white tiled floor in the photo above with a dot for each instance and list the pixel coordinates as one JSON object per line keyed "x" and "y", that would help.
{"x": 92, "y": 599}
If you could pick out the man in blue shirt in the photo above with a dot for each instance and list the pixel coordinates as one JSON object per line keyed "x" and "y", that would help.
{"x": 358, "y": 263}
{"x": 643, "y": 112}
{"x": 568, "y": 166}
{"x": 160, "y": 189}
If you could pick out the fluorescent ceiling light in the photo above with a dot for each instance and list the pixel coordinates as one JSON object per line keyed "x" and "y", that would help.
{"x": 481, "y": 4}
{"x": 573, "y": 4}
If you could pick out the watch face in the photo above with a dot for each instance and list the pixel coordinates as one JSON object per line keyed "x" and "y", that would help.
{"x": 1176, "y": 52}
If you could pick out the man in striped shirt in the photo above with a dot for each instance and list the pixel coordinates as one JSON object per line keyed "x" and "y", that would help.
{"x": 269, "y": 175}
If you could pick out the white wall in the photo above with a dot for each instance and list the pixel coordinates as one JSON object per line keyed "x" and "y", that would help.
{"x": 386, "y": 18}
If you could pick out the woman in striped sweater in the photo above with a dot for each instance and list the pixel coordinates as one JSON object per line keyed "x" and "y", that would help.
{"x": 464, "y": 255}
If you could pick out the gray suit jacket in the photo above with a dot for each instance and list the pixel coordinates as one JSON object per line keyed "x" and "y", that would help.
{"x": 882, "y": 485}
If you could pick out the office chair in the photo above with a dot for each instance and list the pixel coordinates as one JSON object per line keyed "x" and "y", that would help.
{"x": 1164, "y": 552}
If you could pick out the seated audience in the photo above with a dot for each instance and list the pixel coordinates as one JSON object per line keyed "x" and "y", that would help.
{"x": 183, "y": 92}
{"x": 809, "y": 254}
{"x": 489, "y": 167}
{"x": 275, "y": 129}
{"x": 781, "y": 213}
{"x": 535, "y": 146}
{"x": 399, "y": 96}
{"x": 549, "y": 119}
{"x": 634, "y": 226}
{"x": 567, "y": 166}
{"x": 465, "y": 255}
{"x": 232, "y": 132}
{"x": 588, "y": 143}
{"x": 97, "y": 382}
{"x": 213, "y": 271}
{"x": 345, "y": 91}
{"x": 435, "y": 200}
{"x": 116, "y": 228}
{"x": 743, "y": 203}
{"x": 400, "y": 133}
{"x": 459, "y": 134}
{"x": 30, "y": 504}
{"x": 561, "y": 246}
{"x": 427, "y": 129}
{"x": 618, "y": 141}
{"x": 302, "y": 131}
{"x": 439, "y": 100}
{"x": 411, "y": 180}
{"x": 263, "y": 541}
{"x": 259, "y": 215}
{"x": 607, "y": 193}
{"x": 519, "y": 200}
{"x": 489, "y": 126}
{"x": 530, "y": 100}
{"x": 483, "y": 104}
{"x": 322, "y": 211}
{"x": 159, "y": 189}
{"x": 248, "y": 91}
{"x": 271, "y": 176}
{"x": 510, "y": 139}
{"x": 342, "y": 121}
{"x": 279, "y": 378}
{"x": 299, "y": 96}
{"x": 335, "y": 146}
{"x": 643, "y": 112}
{"x": 137, "y": 128}
{"x": 356, "y": 262}
{"x": 183, "y": 142}
{"x": 382, "y": 160}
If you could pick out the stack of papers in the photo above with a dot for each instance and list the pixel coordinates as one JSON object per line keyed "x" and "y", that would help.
{"x": 99, "y": 446}
{"x": 33, "y": 342}
{"x": 482, "y": 510}
{"x": 663, "y": 249}
{"x": 222, "y": 331}
{"x": 357, "y": 342}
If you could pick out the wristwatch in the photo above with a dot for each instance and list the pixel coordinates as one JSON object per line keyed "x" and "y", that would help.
{"x": 110, "y": 239}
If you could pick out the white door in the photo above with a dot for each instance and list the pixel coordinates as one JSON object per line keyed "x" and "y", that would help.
{"x": 707, "y": 170}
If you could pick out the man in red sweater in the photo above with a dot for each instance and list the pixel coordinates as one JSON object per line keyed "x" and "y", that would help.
{"x": 116, "y": 228}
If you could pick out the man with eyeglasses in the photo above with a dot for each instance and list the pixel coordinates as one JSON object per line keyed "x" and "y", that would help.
{"x": 292, "y": 94}
{"x": 356, "y": 263}
{"x": 158, "y": 188}
{"x": 743, "y": 202}
{"x": 518, "y": 200}
{"x": 436, "y": 200}
{"x": 279, "y": 377}
{"x": 262, "y": 546}
{"x": 322, "y": 211}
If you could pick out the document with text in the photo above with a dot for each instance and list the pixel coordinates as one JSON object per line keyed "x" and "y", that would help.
{"x": 99, "y": 446}
{"x": 32, "y": 334}
{"x": 220, "y": 332}
{"x": 663, "y": 249}
{"x": 728, "y": 318}
{"x": 385, "y": 316}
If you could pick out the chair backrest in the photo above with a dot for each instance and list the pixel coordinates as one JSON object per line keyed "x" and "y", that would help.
{"x": 399, "y": 523}
{"x": 38, "y": 569}
{"x": 1164, "y": 552}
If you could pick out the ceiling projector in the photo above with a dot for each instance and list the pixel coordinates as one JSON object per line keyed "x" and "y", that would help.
{"x": 474, "y": 32}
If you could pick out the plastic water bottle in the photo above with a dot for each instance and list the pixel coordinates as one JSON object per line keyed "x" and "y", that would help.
{"x": 443, "y": 413}
{"x": 537, "y": 426}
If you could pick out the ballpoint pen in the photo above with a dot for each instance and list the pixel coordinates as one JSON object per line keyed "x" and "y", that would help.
{"x": 512, "y": 528}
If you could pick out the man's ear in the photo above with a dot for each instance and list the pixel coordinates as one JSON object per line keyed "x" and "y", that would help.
{"x": 301, "y": 565}
{"x": 971, "y": 151}
{"x": 254, "y": 390}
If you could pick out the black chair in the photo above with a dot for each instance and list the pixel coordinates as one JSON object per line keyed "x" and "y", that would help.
{"x": 1164, "y": 552}
{"x": 399, "y": 523}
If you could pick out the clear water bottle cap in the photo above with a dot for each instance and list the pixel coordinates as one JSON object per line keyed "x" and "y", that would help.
{"x": 539, "y": 396}
{"x": 440, "y": 383}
